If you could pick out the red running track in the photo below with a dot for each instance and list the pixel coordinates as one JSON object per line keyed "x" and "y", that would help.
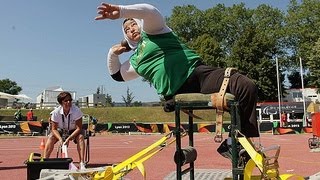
{"x": 295, "y": 156}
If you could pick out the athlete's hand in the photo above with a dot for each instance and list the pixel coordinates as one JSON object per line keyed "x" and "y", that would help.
{"x": 118, "y": 49}
{"x": 108, "y": 11}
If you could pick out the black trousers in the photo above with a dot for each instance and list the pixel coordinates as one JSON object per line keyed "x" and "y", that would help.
{"x": 206, "y": 80}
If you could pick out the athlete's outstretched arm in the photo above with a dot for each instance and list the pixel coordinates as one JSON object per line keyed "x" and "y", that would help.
{"x": 153, "y": 21}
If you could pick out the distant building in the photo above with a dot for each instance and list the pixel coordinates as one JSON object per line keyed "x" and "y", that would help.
{"x": 3, "y": 102}
{"x": 92, "y": 100}
{"x": 48, "y": 98}
{"x": 296, "y": 95}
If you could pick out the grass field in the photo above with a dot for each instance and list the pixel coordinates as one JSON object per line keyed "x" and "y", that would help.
{"x": 125, "y": 114}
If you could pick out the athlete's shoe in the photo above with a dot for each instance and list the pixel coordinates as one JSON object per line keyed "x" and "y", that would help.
{"x": 225, "y": 150}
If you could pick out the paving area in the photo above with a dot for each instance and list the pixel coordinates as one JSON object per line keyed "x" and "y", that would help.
{"x": 204, "y": 174}
{"x": 295, "y": 156}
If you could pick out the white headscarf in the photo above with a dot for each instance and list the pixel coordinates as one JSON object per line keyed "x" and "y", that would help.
{"x": 133, "y": 44}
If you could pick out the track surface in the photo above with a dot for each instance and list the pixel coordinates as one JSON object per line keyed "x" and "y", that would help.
{"x": 295, "y": 156}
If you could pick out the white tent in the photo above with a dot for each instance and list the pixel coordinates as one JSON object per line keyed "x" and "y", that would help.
{"x": 21, "y": 97}
{"x": 6, "y": 95}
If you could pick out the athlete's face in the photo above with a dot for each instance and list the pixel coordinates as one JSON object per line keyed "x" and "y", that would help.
{"x": 132, "y": 30}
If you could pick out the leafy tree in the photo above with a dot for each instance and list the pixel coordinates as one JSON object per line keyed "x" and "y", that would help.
{"x": 251, "y": 39}
{"x": 186, "y": 22}
{"x": 10, "y": 87}
{"x": 303, "y": 33}
{"x": 254, "y": 51}
{"x": 302, "y": 26}
{"x": 313, "y": 64}
{"x": 129, "y": 98}
{"x": 248, "y": 39}
{"x": 109, "y": 101}
{"x": 295, "y": 79}
{"x": 137, "y": 103}
{"x": 209, "y": 49}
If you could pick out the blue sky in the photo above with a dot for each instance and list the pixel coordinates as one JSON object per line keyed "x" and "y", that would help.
{"x": 45, "y": 43}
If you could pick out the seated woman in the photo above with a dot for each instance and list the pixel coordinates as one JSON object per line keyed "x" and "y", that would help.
{"x": 66, "y": 125}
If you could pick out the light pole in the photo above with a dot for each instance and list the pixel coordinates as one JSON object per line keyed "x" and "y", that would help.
{"x": 303, "y": 99}
{"x": 279, "y": 94}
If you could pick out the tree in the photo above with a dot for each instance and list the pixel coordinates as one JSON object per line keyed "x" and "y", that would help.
{"x": 10, "y": 87}
{"x": 129, "y": 98}
{"x": 187, "y": 22}
{"x": 295, "y": 79}
{"x": 303, "y": 33}
{"x": 257, "y": 44}
{"x": 109, "y": 101}
{"x": 248, "y": 39}
{"x": 314, "y": 65}
{"x": 251, "y": 39}
{"x": 137, "y": 103}
{"x": 209, "y": 49}
{"x": 302, "y": 26}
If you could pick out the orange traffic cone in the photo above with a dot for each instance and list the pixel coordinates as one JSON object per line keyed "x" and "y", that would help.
{"x": 42, "y": 145}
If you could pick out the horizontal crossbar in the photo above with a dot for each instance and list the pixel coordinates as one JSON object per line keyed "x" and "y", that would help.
{"x": 199, "y": 100}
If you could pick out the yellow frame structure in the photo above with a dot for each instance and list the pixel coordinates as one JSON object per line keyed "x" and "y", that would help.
{"x": 267, "y": 165}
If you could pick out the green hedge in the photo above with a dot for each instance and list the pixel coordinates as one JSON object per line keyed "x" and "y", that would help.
{"x": 126, "y": 114}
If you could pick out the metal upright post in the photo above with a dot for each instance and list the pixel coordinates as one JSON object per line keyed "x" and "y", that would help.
{"x": 237, "y": 172}
{"x": 178, "y": 141}
{"x": 190, "y": 133}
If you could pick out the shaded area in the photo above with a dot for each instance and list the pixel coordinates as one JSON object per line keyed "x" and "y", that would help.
{"x": 93, "y": 165}
{"x": 13, "y": 167}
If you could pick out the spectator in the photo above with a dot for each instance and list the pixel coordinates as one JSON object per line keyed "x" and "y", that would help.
{"x": 94, "y": 122}
{"x": 292, "y": 117}
{"x": 284, "y": 119}
{"x": 66, "y": 126}
{"x": 30, "y": 115}
{"x": 18, "y": 115}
